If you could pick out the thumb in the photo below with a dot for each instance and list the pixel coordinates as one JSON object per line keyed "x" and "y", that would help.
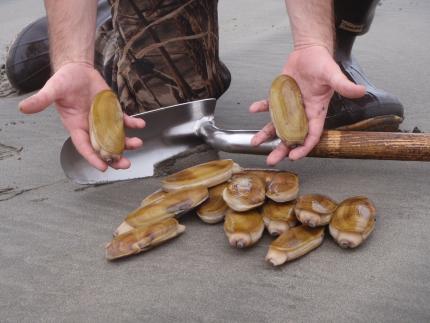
{"x": 342, "y": 85}
{"x": 39, "y": 101}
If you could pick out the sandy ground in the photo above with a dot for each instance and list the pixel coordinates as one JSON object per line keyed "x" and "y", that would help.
{"x": 52, "y": 232}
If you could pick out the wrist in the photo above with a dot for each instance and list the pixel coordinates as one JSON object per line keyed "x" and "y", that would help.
{"x": 308, "y": 44}
{"x": 81, "y": 63}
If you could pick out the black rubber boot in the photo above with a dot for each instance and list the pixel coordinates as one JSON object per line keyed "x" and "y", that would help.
{"x": 28, "y": 63}
{"x": 377, "y": 110}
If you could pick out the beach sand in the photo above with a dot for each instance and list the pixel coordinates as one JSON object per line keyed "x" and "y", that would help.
{"x": 53, "y": 232}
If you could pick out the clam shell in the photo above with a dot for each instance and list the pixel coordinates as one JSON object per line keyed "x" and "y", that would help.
{"x": 214, "y": 208}
{"x": 154, "y": 197}
{"x": 106, "y": 126}
{"x": 279, "y": 217}
{"x": 315, "y": 209}
{"x": 287, "y": 111}
{"x": 283, "y": 187}
{"x": 208, "y": 174}
{"x": 244, "y": 192}
{"x": 243, "y": 229}
{"x": 294, "y": 243}
{"x": 353, "y": 221}
{"x": 143, "y": 238}
{"x": 265, "y": 174}
{"x": 173, "y": 204}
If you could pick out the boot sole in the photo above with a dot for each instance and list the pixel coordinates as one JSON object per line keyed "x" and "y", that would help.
{"x": 387, "y": 123}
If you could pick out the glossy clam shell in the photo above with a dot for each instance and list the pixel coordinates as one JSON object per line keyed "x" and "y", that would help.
{"x": 244, "y": 192}
{"x": 294, "y": 243}
{"x": 353, "y": 221}
{"x": 283, "y": 187}
{"x": 265, "y": 174}
{"x": 214, "y": 208}
{"x": 287, "y": 111}
{"x": 173, "y": 204}
{"x": 279, "y": 217}
{"x": 154, "y": 197}
{"x": 106, "y": 126}
{"x": 315, "y": 209}
{"x": 243, "y": 229}
{"x": 143, "y": 238}
{"x": 208, "y": 174}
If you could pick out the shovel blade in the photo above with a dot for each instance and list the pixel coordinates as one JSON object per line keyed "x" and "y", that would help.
{"x": 169, "y": 131}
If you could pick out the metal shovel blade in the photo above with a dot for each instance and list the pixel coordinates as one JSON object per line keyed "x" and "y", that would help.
{"x": 177, "y": 129}
{"x": 168, "y": 132}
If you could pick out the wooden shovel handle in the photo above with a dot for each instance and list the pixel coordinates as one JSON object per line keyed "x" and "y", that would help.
{"x": 373, "y": 145}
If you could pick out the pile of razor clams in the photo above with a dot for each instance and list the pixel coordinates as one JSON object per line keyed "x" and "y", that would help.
{"x": 248, "y": 201}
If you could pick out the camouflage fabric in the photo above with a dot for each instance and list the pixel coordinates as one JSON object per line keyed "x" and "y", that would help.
{"x": 157, "y": 53}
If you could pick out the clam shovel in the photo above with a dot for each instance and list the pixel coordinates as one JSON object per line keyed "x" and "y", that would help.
{"x": 177, "y": 129}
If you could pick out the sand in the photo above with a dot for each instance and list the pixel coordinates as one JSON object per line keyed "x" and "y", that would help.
{"x": 52, "y": 231}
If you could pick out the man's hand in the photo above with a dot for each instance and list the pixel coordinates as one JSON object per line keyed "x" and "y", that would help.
{"x": 318, "y": 76}
{"x": 72, "y": 89}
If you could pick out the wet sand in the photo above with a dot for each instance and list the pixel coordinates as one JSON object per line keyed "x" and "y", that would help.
{"x": 52, "y": 231}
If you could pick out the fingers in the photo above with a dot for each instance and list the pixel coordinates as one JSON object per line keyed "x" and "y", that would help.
{"x": 133, "y": 143}
{"x": 268, "y": 132}
{"x": 277, "y": 155}
{"x": 341, "y": 84}
{"x": 82, "y": 143}
{"x": 259, "y": 106}
{"x": 39, "y": 101}
{"x": 315, "y": 130}
{"x": 83, "y": 146}
{"x": 135, "y": 123}
{"x": 123, "y": 163}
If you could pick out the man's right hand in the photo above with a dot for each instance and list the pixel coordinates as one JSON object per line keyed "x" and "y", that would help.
{"x": 72, "y": 89}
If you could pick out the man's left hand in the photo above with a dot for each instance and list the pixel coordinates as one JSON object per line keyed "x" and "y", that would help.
{"x": 318, "y": 76}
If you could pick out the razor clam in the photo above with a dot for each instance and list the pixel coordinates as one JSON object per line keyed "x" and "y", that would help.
{"x": 294, "y": 243}
{"x": 244, "y": 192}
{"x": 106, "y": 126}
{"x": 315, "y": 210}
{"x": 154, "y": 197}
{"x": 207, "y": 174}
{"x": 265, "y": 174}
{"x": 287, "y": 111}
{"x": 173, "y": 204}
{"x": 279, "y": 217}
{"x": 243, "y": 229}
{"x": 353, "y": 221}
{"x": 214, "y": 208}
{"x": 143, "y": 238}
{"x": 283, "y": 187}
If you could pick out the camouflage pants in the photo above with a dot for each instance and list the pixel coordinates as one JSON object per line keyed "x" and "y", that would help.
{"x": 156, "y": 53}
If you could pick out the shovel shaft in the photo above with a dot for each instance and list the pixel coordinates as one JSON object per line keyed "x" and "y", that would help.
{"x": 373, "y": 145}
{"x": 333, "y": 144}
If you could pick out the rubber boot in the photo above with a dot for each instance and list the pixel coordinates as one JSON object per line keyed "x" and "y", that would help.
{"x": 377, "y": 110}
{"x": 28, "y": 64}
